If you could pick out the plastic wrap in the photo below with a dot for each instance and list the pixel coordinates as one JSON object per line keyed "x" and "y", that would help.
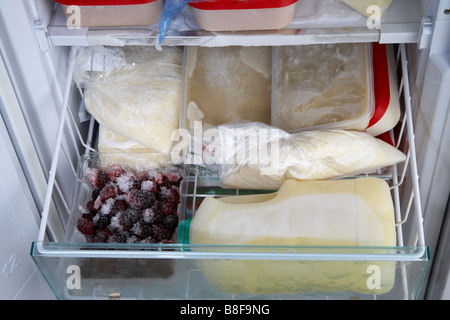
{"x": 365, "y": 6}
{"x": 133, "y": 91}
{"x": 262, "y": 157}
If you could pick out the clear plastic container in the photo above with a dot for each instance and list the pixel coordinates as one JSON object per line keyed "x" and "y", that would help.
{"x": 228, "y": 15}
{"x": 150, "y": 195}
{"x": 325, "y": 86}
{"x": 101, "y": 13}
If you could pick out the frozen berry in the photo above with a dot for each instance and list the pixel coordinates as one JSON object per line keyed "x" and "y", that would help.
{"x": 98, "y": 177}
{"x": 85, "y": 226}
{"x": 159, "y": 232}
{"x": 95, "y": 193}
{"x": 150, "y": 186}
{"x": 169, "y": 208}
{"x": 119, "y": 205}
{"x": 109, "y": 191}
{"x": 142, "y": 230}
{"x": 91, "y": 206}
{"x": 89, "y": 216}
{"x": 115, "y": 172}
{"x": 129, "y": 217}
{"x": 103, "y": 221}
{"x": 141, "y": 199}
{"x": 117, "y": 237}
{"x": 101, "y": 236}
{"x": 170, "y": 221}
{"x": 127, "y": 182}
{"x": 151, "y": 216}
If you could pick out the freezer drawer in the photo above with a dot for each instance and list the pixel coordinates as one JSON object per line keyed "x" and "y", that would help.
{"x": 180, "y": 270}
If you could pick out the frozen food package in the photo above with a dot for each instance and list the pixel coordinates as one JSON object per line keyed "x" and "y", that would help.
{"x": 333, "y": 213}
{"x": 306, "y": 155}
{"x": 115, "y": 203}
{"x": 365, "y": 6}
{"x": 114, "y": 149}
{"x": 239, "y": 15}
{"x": 323, "y": 86}
{"x": 229, "y": 83}
{"x": 133, "y": 91}
{"x": 118, "y": 13}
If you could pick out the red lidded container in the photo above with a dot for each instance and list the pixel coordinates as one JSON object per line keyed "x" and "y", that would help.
{"x": 236, "y": 15}
{"x": 111, "y": 13}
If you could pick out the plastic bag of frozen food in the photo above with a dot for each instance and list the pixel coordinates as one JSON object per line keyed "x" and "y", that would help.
{"x": 133, "y": 91}
{"x": 308, "y": 155}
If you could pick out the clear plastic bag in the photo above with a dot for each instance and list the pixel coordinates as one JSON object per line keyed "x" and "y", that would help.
{"x": 308, "y": 155}
{"x": 133, "y": 91}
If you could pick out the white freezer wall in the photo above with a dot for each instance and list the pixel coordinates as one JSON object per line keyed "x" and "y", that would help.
{"x": 431, "y": 108}
{"x": 38, "y": 77}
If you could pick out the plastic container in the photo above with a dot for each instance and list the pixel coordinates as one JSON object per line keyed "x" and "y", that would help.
{"x": 112, "y": 13}
{"x": 232, "y": 15}
{"x": 387, "y": 106}
{"x": 325, "y": 86}
{"x": 88, "y": 199}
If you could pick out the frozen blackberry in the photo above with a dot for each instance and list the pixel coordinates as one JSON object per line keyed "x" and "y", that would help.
{"x": 91, "y": 206}
{"x": 101, "y": 236}
{"x": 141, "y": 199}
{"x": 170, "y": 222}
{"x": 169, "y": 208}
{"x": 142, "y": 230}
{"x": 103, "y": 221}
{"x": 119, "y": 205}
{"x": 160, "y": 232}
{"x": 117, "y": 237}
{"x": 89, "y": 216}
{"x": 85, "y": 226}
{"x": 115, "y": 172}
{"x": 129, "y": 217}
{"x": 150, "y": 215}
{"x": 98, "y": 177}
{"x": 95, "y": 193}
{"x": 108, "y": 192}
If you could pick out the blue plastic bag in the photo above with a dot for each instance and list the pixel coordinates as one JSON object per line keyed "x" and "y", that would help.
{"x": 171, "y": 9}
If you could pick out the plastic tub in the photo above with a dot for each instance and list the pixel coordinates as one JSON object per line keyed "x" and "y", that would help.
{"x": 106, "y": 190}
{"x": 112, "y": 13}
{"x": 325, "y": 86}
{"x": 232, "y": 15}
{"x": 387, "y": 106}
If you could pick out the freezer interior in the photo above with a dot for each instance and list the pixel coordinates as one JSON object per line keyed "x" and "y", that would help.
{"x": 179, "y": 269}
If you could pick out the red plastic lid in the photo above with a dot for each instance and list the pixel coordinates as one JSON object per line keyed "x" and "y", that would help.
{"x": 382, "y": 89}
{"x": 240, "y": 4}
{"x": 102, "y": 2}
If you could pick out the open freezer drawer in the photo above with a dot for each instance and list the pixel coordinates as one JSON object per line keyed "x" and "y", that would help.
{"x": 185, "y": 271}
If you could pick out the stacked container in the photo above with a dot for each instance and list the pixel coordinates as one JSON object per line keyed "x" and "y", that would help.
{"x": 111, "y": 13}
{"x": 241, "y": 15}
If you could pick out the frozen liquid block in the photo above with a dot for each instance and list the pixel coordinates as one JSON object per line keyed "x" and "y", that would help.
{"x": 363, "y": 6}
{"x": 141, "y": 100}
{"x": 230, "y": 83}
{"x": 356, "y": 213}
{"x": 324, "y": 86}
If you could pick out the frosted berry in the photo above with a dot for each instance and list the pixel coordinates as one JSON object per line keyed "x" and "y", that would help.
{"x": 109, "y": 191}
{"x": 85, "y": 226}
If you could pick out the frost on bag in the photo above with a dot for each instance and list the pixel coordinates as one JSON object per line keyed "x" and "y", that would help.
{"x": 133, "y": 91}
{"x": 309, "y": 155}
